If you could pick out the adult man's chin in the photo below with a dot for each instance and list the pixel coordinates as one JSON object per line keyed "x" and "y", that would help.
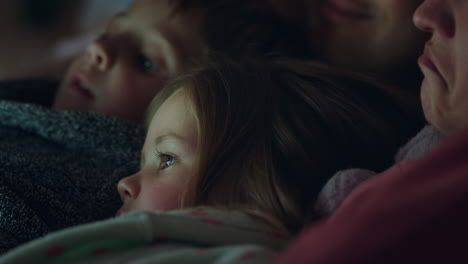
{"x": 426, "y": 105}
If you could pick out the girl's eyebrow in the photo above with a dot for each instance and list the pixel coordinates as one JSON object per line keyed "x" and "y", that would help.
{"x": 167, "y": 136}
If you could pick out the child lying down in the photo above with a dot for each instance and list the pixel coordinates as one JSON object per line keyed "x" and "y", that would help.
{"x": 234, "y": 158}
{"x": 59, "y": 168}
{"x": 154, "y": 40}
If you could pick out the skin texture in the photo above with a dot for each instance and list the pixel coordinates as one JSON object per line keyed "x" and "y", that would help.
{"x": 121, "y": 71}
{"x": 168, "y": 160}
{"x": 374, "y": 36}
{"x": 444, "y": 91}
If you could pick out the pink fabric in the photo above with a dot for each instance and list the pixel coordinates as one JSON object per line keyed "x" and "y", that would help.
{"x": 415, "y": 212}
{"x": 344, "y": 181}
{"x": 337, "y": 188}
{"x": 428, "y": 138}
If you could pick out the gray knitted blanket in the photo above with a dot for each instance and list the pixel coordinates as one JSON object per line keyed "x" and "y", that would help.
{"x": 59, "y": 169}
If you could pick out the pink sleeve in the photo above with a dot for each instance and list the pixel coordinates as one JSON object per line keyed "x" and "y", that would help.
{"x": 415, "y": 212}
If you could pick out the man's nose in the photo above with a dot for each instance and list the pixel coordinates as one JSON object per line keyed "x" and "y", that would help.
{"x": 435, "y": 16}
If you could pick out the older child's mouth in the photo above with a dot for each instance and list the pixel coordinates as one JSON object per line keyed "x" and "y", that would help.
{"x": 79, "y": 85}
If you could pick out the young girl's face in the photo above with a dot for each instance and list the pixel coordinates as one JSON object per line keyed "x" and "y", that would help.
{"x": 444, "y": 91}
{"x": 167, "y": 161}
{"x": 121, "y": 71}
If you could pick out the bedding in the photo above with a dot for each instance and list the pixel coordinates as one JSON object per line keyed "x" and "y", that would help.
{"x": 60, "y": 169}
{"x": 181, "y": 236}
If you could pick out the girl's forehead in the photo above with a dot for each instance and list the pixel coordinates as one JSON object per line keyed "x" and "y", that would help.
{"x": 176, "y": 103}
{"x": 175, "y": 123}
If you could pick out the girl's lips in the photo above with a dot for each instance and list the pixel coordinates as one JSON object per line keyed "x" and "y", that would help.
{"x": 336, "y": 10}
{"x": 79, "y": 84}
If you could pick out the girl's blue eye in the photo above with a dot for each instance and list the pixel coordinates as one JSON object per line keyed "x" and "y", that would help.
{"x": 145, "y": 63}
{"x": 166, "y": 161}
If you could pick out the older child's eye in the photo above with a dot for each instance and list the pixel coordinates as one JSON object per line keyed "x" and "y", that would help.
{"x": 166, "y": 161}
{"x": 146, "y": 64}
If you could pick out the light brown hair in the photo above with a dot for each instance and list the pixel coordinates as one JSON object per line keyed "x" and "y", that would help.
{"x": 272, "y": 134}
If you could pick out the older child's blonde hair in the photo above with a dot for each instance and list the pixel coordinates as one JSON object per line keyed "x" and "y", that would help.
{"x": 271, "y": 134}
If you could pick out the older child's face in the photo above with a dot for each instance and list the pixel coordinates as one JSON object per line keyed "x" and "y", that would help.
{"x": 168, "y": 160}
{"x": 121, "y": 71}
{"x": 372, "y": 35}
{"x": 444, "y": 92}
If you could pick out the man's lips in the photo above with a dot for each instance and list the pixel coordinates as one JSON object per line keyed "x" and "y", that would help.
{"x": 338, "y": 10}
{"x": 79, "y": 84}
{"x": 427, "y": 59}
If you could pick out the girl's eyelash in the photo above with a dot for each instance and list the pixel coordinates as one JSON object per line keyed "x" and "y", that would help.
{"x": 165, "y": 160}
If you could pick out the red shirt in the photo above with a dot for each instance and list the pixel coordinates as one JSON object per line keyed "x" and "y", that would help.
{"x": 415, "y": 212}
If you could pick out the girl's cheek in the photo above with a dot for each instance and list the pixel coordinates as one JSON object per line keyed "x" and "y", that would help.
{"x": 162, "y": 197}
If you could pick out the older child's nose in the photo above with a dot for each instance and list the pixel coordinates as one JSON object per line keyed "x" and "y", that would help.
{"x": 99, "y": 53}
{"x": 129, "y": 187}
{"x": 435, "y": 16}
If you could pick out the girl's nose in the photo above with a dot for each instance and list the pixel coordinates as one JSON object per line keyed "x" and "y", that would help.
{"x": 129, "y": 187}
{"x": 99, "y": 53}
{"x": 435, "y": 16}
